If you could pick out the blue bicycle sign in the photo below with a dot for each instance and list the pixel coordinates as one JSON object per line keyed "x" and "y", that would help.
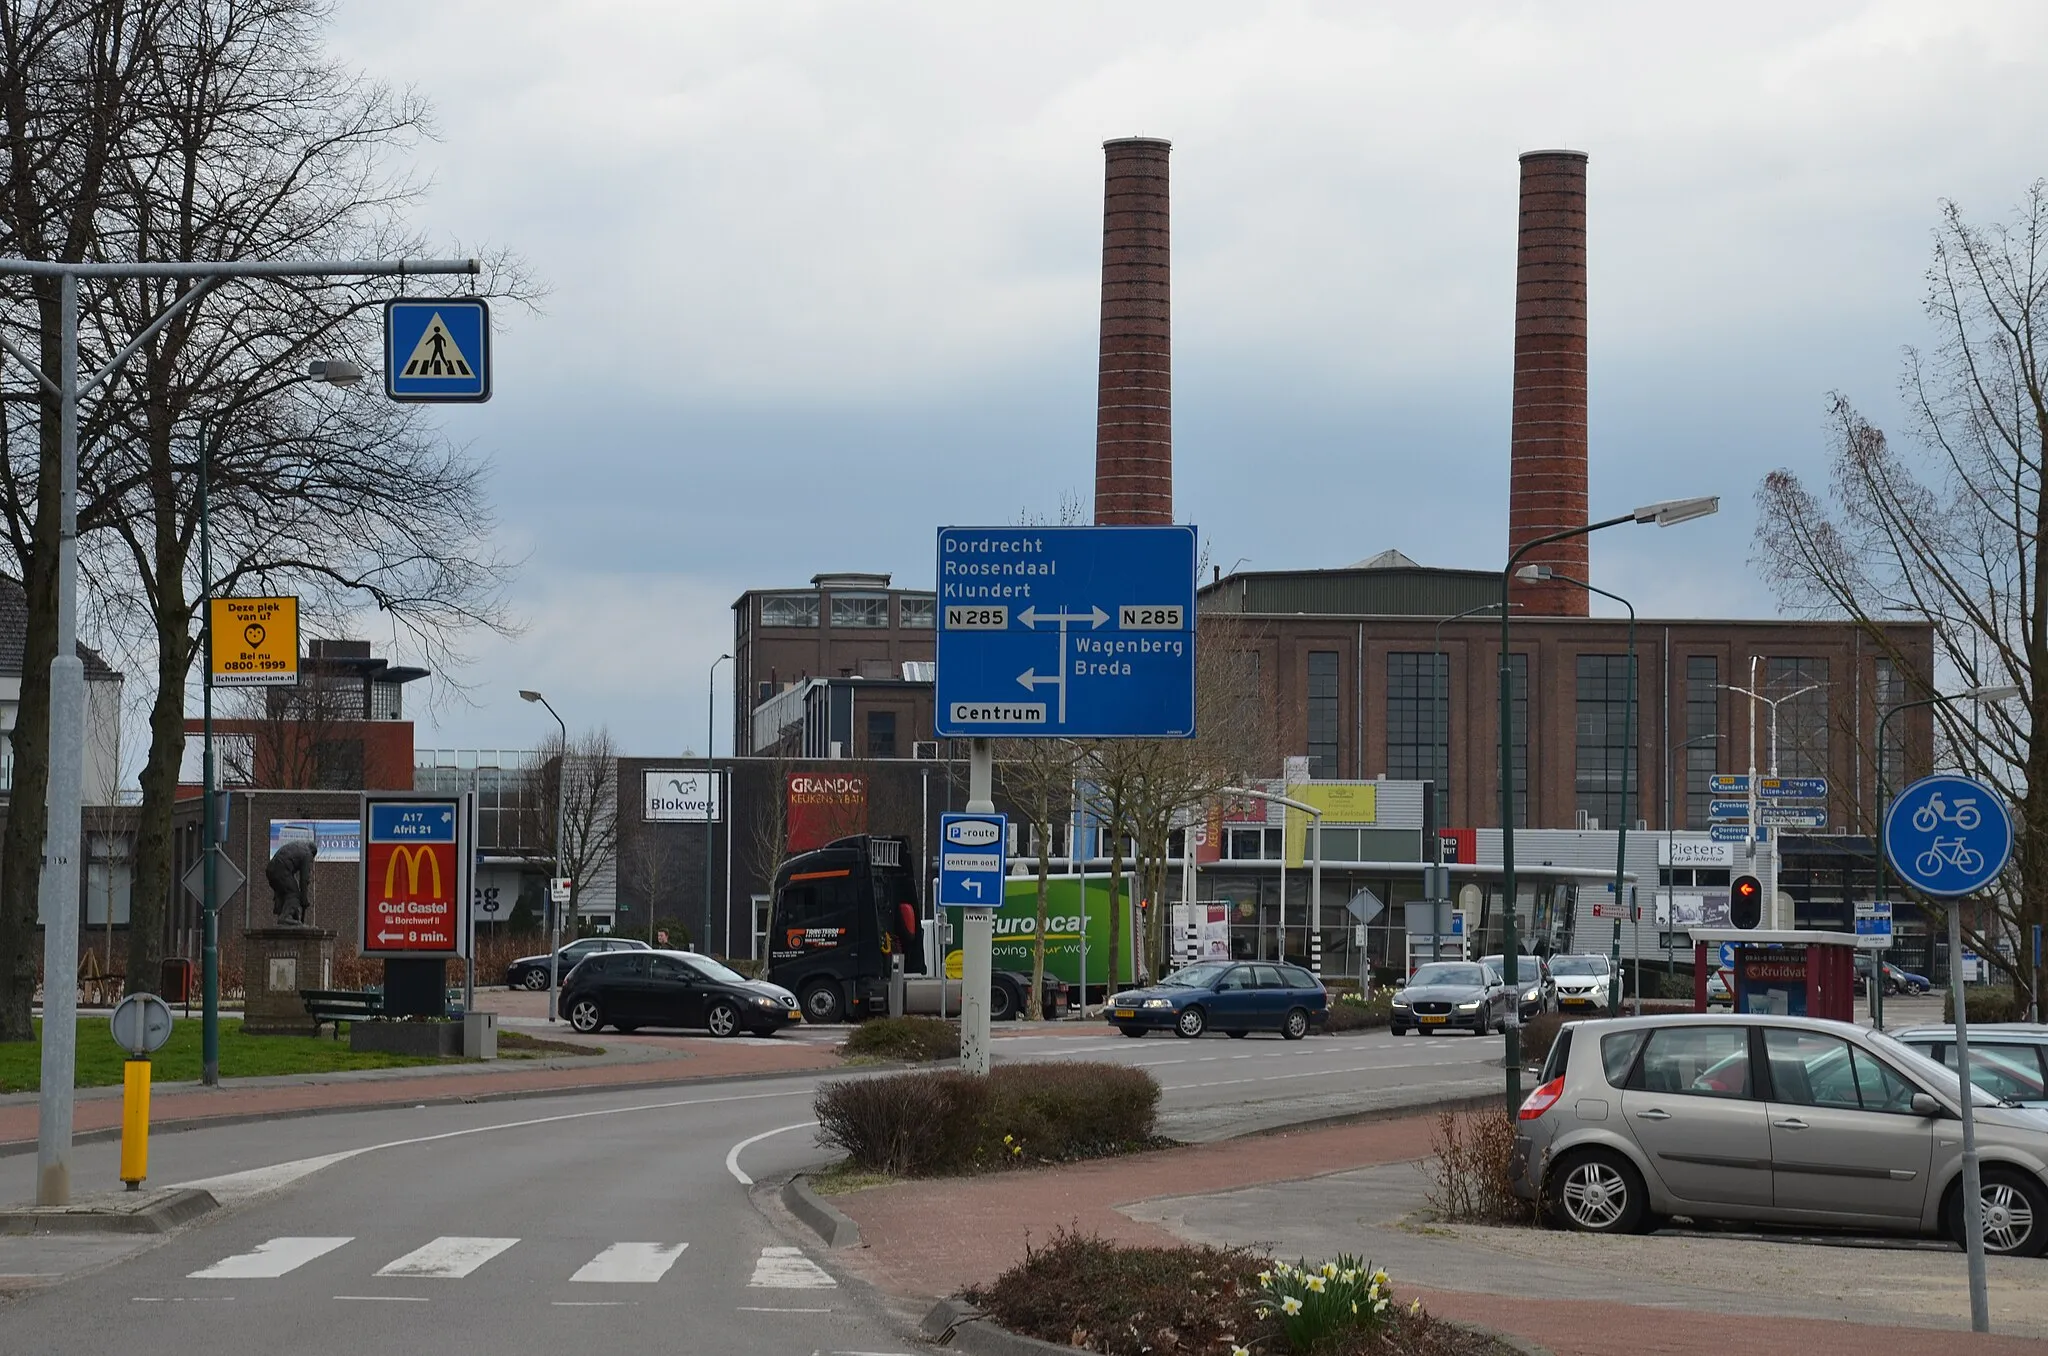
{"x": 1947, "y": 835}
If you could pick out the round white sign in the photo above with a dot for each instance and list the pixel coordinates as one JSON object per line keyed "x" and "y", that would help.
{"x": 142, "y": 1023}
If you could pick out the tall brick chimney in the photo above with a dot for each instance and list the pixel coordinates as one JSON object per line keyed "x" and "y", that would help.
{"x": 1134, "y": 390}
{"x": 1547, "y": 451}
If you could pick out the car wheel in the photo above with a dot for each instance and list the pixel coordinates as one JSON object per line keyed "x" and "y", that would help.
{"x": 1191, "y": 1023}
{"x": 1132, "y": 1030}
{"x": 723, "y": 1019}
{"x": 2015, "y": 1215}
{"x": 586, "y": 1016}
{"x": 822, "y": 1002}
{"x": 1002, "y": 1004}
{"x": 1237, "y": 1035}
{"x": 1296, "y": 1025}
{"x": 534, "y": 979}
{"x": 1598, "y": 1192}
{"x": 1396, "y": 1029}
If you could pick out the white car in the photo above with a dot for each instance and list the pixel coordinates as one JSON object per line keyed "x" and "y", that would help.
{"x": 1717, "y": 991}
{"x": 1581, "y": 983}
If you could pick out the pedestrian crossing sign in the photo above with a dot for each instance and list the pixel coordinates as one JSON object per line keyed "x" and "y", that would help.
{"x": 437, "y": 349}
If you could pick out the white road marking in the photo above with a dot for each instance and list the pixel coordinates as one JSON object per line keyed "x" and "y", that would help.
{"x": 386, "y": 1299}
{"x": 789, "y": 1269}
{"x": 593, "y": 1304}
{"x": 630, "y": 1264}
{"x": 449, "y": 1257}
{"x": 272, "y": 1258}
{"x": 732, "y": 1155}
{"x": 238, "y": 1186}
{"x": 758, "y": 1309}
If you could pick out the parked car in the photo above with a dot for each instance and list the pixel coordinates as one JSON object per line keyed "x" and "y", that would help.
{"x": 1895, "y": 979}
{"x": 2007, "y": 1059}
{"x": 1581, "y": 983}
{"x": 1234, "y": 997}
{"x": 1451, "y": 994}
{"x": 1718, "y": 992}
{"x": 1531, "y": 979}
{"x": 1786, "y": 1120}
{"x": 531, "y": 972}
{"x": 640, "y": 987}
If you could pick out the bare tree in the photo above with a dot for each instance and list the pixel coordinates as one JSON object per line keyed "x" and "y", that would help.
{"x": 651, "y": 870}
{"x": 1948, "y": 529}
{"x": 585, "y": 784}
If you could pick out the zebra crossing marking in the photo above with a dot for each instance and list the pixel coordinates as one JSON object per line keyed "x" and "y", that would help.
{"x": 449, "y": 1257}
{"x": 631, "y": 1263}
{"x": 271, "y": 1258}
{"x": 788, "y": 1269}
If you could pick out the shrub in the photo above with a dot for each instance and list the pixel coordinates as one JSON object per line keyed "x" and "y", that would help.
{"x": 915, "y": 1038}
{"x": 1987, "y": 1005}
{"x": 1359, "y": 1012}
{"x": 1469, "y": 1175}
{"x": 1539, "y": 1033}
{"x": 946, "y": 1122}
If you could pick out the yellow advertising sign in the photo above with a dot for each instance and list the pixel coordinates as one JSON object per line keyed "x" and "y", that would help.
{"x": 255, "y": 641}
{"x": 1339, "y": 804}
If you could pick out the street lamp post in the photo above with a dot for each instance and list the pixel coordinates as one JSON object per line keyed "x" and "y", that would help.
{"x": 710, "y": 797}
{"x": 335, "y": 372}
{"x": 1537, "y": 574}
{"x": 1755, "y": 792}
{"x": 1671, "y": 851}
{"x": 554, "y": 909}
{"x": 1665, "y": 514}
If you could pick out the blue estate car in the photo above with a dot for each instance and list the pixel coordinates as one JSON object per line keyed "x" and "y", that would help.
{"x": 1234, "y": 997}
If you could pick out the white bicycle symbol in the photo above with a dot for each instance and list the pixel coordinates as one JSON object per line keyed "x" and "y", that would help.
{"x": 1947, "y": 852}
{"x": 1936, "y": 812}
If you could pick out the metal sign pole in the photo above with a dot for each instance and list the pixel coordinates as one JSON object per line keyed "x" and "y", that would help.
{"x": 977, "y": 926}
{"x": 1973, "y": 1183}
{"x": 209, "y": 903}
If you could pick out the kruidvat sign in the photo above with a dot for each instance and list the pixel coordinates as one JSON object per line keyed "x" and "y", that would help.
{"x": 673, "y": 796}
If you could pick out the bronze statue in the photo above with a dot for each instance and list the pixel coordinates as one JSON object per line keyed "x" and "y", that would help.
{"x": 290, "y": 874}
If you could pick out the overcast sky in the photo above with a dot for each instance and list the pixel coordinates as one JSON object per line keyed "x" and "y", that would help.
{"x": 824, "y": 276}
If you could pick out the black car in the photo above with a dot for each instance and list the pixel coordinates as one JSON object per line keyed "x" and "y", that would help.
{"x": 643, "y": 987}
{"x": 1465, "y": 995}
{"x": 531, "y": 972}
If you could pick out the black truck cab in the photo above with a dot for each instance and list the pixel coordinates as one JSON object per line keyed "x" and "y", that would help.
{"x": 841, "y": 913}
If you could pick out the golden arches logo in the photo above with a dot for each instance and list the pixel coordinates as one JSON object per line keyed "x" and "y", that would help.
{"x": 413, "y": 856}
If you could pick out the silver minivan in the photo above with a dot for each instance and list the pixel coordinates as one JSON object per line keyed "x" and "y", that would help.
{"x": 1787, "y": 1120}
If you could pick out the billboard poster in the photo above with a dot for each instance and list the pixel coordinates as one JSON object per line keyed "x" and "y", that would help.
{"x": 338, "y": 840}
{"x": 823, "y": 806}
{"x": 415, "y": 876}
{"x": 676, "y": 795}
{"x": 1344, "y": 803}
{"x": 1201, "y": 932}
{"x": 1073, "y": 905}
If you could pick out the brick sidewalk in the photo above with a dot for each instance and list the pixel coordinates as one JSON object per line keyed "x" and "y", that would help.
{"x": 691, "y": 1062}
{"x": 931, "y": 1239}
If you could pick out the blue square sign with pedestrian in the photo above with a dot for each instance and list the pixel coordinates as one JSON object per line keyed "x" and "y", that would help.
{"x": 437, "y": 349}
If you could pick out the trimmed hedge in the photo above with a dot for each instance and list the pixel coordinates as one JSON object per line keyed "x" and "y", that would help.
{"x": 1987, "y": 1004}
{"x": 914, "y": 1038}
{"x": 946, "y": 1122}
{"x": 1352, "y": 1012}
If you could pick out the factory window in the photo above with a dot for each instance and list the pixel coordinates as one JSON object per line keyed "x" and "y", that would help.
{"x": 918, "y": 613}
{"x": 1802, "y": 722}
{"x": 1518, "y": 706}
{"x": 870, "y": 611}
{"x": 790, "y": 609}
{"x": 1891, "y": 755}
{"x": 1603, "y": 716}
{"x": 1702, "y": 720}
{"x": 1418, "y": 723}
{"x": 881, "y": 734}
{"x": 1322, "y": 713}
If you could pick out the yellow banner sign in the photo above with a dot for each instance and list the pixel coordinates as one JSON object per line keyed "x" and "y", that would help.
{"x": 1339, "y": 804}
{"x": 255, "y": 642}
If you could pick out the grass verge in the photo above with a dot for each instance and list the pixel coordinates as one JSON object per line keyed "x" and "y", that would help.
{"x": 241, "y": 1056}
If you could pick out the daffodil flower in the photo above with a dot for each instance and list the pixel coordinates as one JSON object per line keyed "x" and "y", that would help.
{"x": 1347, "y": 1276}
{"x": 1415, "y": 1309}
{"x": 1240, "y": 1351}
{"x": 1290, "y": 1306}
{"x": 1354, "y": 1306}
{"x": 1265, "y": 1278}
{"x": 1315, "y": 1284}
{"x": 1379, "y": 1278}
{"x": 1330, "y": 1270}
{"x": 1380, "y": 1308}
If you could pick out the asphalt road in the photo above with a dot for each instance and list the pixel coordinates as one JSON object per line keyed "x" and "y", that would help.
{"x": 505, "y": 1225}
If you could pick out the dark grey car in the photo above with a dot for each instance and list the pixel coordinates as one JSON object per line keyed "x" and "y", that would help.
{"x": 1451, "y": 995}
{"x": 1788, "y": 1120}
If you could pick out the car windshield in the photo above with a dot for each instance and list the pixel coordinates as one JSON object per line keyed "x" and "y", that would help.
{"x": 1942, "y": 1080}
{"x": 1577, "y": 965}
{"x": 711, "y": 969}
{"x": 1525, "y": 967}
{"x": 1195, "y": 976}
{"x": 1463, "y": 976}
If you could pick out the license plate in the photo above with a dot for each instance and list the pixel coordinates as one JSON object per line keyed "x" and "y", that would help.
{"x": 1431, "y": 1020}
{"x": 1126, "y": 1012}
{"x": 1578, "y": 1002}
{"x": 793, "y": 1014}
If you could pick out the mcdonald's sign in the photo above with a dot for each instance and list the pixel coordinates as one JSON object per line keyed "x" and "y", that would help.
{"x": 415, "y": 875}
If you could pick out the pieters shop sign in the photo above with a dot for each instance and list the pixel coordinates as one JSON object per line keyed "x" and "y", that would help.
{"x": 680, "y": 796}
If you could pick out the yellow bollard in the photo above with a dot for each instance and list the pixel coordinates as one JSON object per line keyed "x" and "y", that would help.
{"x": 135, "y": 1122}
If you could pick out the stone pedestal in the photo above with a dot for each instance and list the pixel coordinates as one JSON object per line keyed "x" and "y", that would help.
{"x": 276, "y": 964}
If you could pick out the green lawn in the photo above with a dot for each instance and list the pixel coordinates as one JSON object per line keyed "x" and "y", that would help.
{"x": 100, "y": 1060}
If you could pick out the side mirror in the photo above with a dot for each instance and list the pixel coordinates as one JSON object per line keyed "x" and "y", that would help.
{"x": 1925, "y": 1105}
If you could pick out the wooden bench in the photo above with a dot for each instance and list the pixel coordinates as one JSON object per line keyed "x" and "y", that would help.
{"x": 341, "y": 1005}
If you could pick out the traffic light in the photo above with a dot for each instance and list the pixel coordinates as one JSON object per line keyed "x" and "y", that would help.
{"x": 1746, "y": 902}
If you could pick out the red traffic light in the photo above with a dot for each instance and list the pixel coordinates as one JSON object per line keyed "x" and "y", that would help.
{"x": 1746, "y": 902}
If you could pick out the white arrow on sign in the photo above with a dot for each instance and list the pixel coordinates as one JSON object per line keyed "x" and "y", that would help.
{"x": 972, "y": 884}
{"x": 1094, "y": 616}
{"x": 383, "y": 936}
{"x": 1031, "y": 678}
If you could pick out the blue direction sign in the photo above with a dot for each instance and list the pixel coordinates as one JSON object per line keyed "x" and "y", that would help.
{"x": 1728, "y": 809}
{"x": 1874, "y": 923}
{"x": 1769, "y": 788}
{"x": 971, "y": 860}
{"x": 1736, "y": 833}
{"x": 1076, "y": 632}
{"x": 1947, "y": 835}
{"x": 437, "y": 349}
